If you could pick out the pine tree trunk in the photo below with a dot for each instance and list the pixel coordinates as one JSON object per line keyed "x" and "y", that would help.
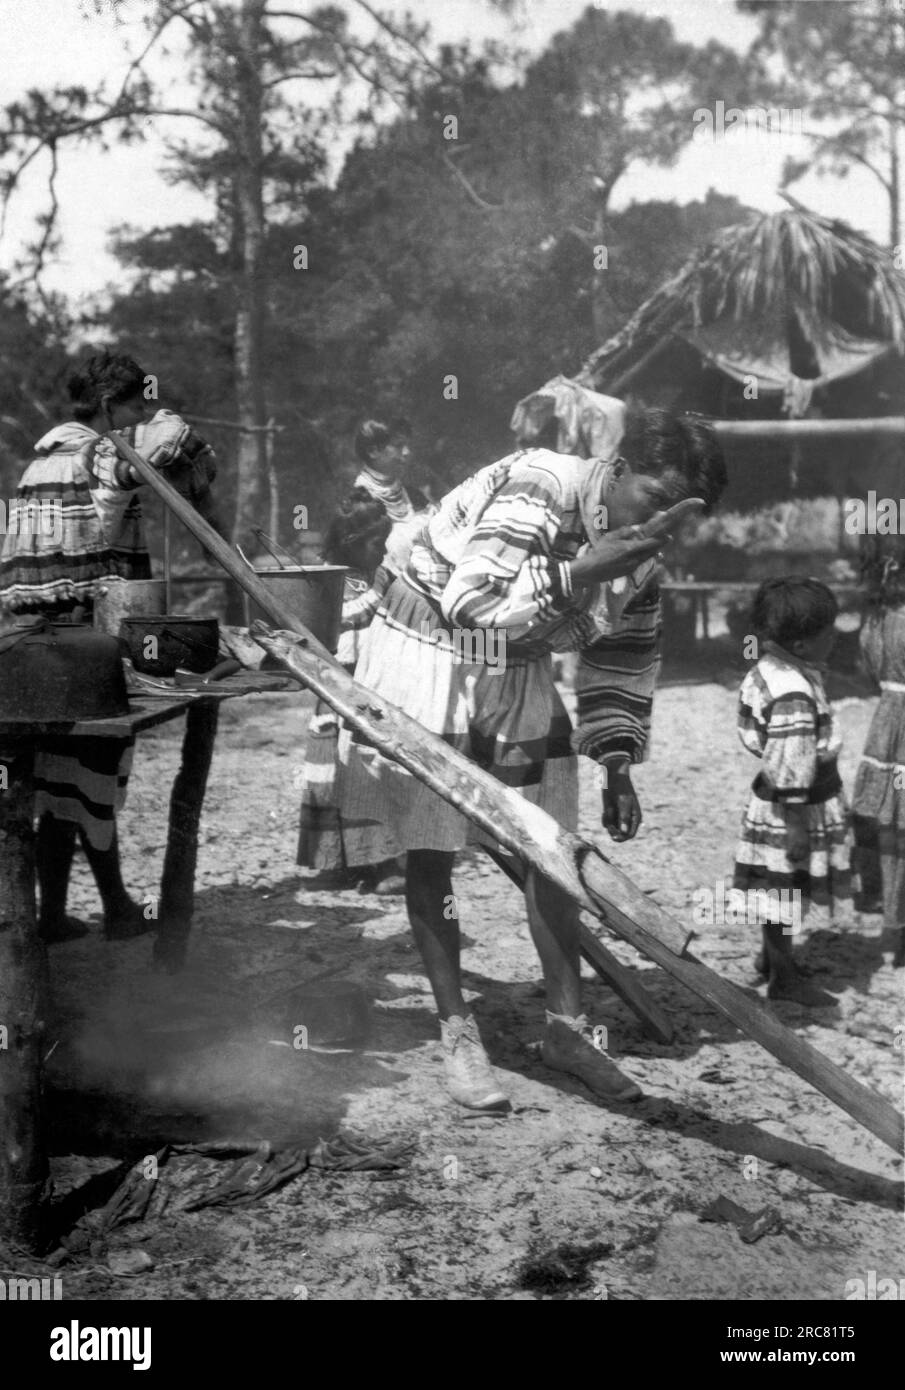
{"x": 250, "y": 313}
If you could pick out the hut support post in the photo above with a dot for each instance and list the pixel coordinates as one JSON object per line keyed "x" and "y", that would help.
{"x": 177, "y": 889}
{"x": 23, "y": 979}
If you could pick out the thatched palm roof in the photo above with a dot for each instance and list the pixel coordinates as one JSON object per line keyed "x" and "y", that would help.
{"x": 791, "y": 298}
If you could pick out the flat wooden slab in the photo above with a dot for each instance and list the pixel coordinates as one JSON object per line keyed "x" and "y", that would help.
{"x": 148, "y": 710}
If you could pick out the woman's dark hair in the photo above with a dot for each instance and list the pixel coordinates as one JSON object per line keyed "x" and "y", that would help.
{"x": 103, "y": 375}
{"x": 882, "y": 567}
{"x": 358, "y": 519}
{"x": 656, "y": 441}
{"x": 787, "y": 610}
{"x": 372, "y": 435}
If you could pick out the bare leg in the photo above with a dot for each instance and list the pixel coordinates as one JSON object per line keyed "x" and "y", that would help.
{"x": 894, "y": 896}
{"x": 54, "y": 850}
{"x": 435, "y": 926}
{"x": 866, "y": 862}
{"x": 568, "y": 1045}
{"x": 123, "y": 918}
{"x": 785, "y": 980}
{"x": 553, "y": 919}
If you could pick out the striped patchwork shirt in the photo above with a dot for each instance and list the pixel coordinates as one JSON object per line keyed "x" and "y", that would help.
{"x": 785, "y": 719}
{"x": 496, "y": 555}
{"x": 76, "y": 520}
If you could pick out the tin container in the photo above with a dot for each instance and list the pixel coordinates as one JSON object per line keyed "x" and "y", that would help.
{"x": 314, "y": 593}
{"x": 116, "y": 599}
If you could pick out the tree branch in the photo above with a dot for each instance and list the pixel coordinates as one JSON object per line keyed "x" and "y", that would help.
{"x": 401, "y": 37}
{"x": 50, "y": 220}
{"x": 469, "y": 188}
{"x": 136, "y": 63}
{"x": 314, "y": 74}
{"x": 827, "y": 141}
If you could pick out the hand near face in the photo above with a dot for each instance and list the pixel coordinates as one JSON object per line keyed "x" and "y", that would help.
{"x": 616, "y": 553}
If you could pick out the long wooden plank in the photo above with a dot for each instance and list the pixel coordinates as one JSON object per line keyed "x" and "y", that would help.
{"x": 530, "y": 833}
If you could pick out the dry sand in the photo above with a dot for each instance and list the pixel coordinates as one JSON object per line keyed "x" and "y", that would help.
{"x": 564, "y": 1198}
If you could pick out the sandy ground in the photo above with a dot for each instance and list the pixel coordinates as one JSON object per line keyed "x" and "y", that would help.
{"x": 564, "y": 1198}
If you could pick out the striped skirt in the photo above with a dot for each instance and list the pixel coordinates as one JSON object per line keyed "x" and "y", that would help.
{"x": 508, "y": 717}
{"x": 326, "y": 842}
{"x": 879, "y": 804}
{"x": 761, "y": 861}
{"x": 84, "y": 780}
{"x": 880, "y": 781}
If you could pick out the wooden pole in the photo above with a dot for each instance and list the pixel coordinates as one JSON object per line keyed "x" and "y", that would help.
{"x": 167, "y": 560}
{"x": 23, "y": 993}
{"x": 529, "y": 833}
{"x": 619, "y": 383}
{"x": 177, "y": 889}
{"x": 273, "y": 484}
{"x": 809, "y": 429}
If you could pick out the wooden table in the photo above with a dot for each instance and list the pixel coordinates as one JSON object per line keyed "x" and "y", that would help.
{"x": 23, "y": 960}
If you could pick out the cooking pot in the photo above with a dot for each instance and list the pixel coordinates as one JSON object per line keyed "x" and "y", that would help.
{"x": 59, "y": 672}
{"x": 157, "y": 643}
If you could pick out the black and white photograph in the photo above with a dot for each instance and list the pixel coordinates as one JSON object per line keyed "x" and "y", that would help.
{"x": 452, "y": 732}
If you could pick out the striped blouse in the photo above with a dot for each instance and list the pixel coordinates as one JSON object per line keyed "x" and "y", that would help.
{"x": 496, "y": 555}
{"x": 76, "y": 520}
{"x": 785, "y": 719}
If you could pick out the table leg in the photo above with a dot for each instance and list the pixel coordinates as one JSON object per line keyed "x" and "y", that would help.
{"x": 177, "y": 889}
{"x": 23, "y": 995}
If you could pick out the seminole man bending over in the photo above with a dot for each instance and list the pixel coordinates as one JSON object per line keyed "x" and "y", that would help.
{"x": 540, "y": 552}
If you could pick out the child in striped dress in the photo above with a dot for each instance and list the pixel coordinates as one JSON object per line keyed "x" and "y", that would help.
{"x": 357, "y": 538}
{"x": 794, "y": 844}
{"x": 879, "y": 799}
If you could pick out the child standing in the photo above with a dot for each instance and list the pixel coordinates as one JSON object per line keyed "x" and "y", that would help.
{"x": 356, "y": 537}
{"x": 879, "y": 800}
{"x": 795, "y": 829}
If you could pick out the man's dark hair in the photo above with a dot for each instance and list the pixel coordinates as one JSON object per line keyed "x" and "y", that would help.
{"x": 372, "y": 435}
{"x": 787, "y": 610}
{"x": 657, "y": 442}
{"x": 118, "y": 377}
